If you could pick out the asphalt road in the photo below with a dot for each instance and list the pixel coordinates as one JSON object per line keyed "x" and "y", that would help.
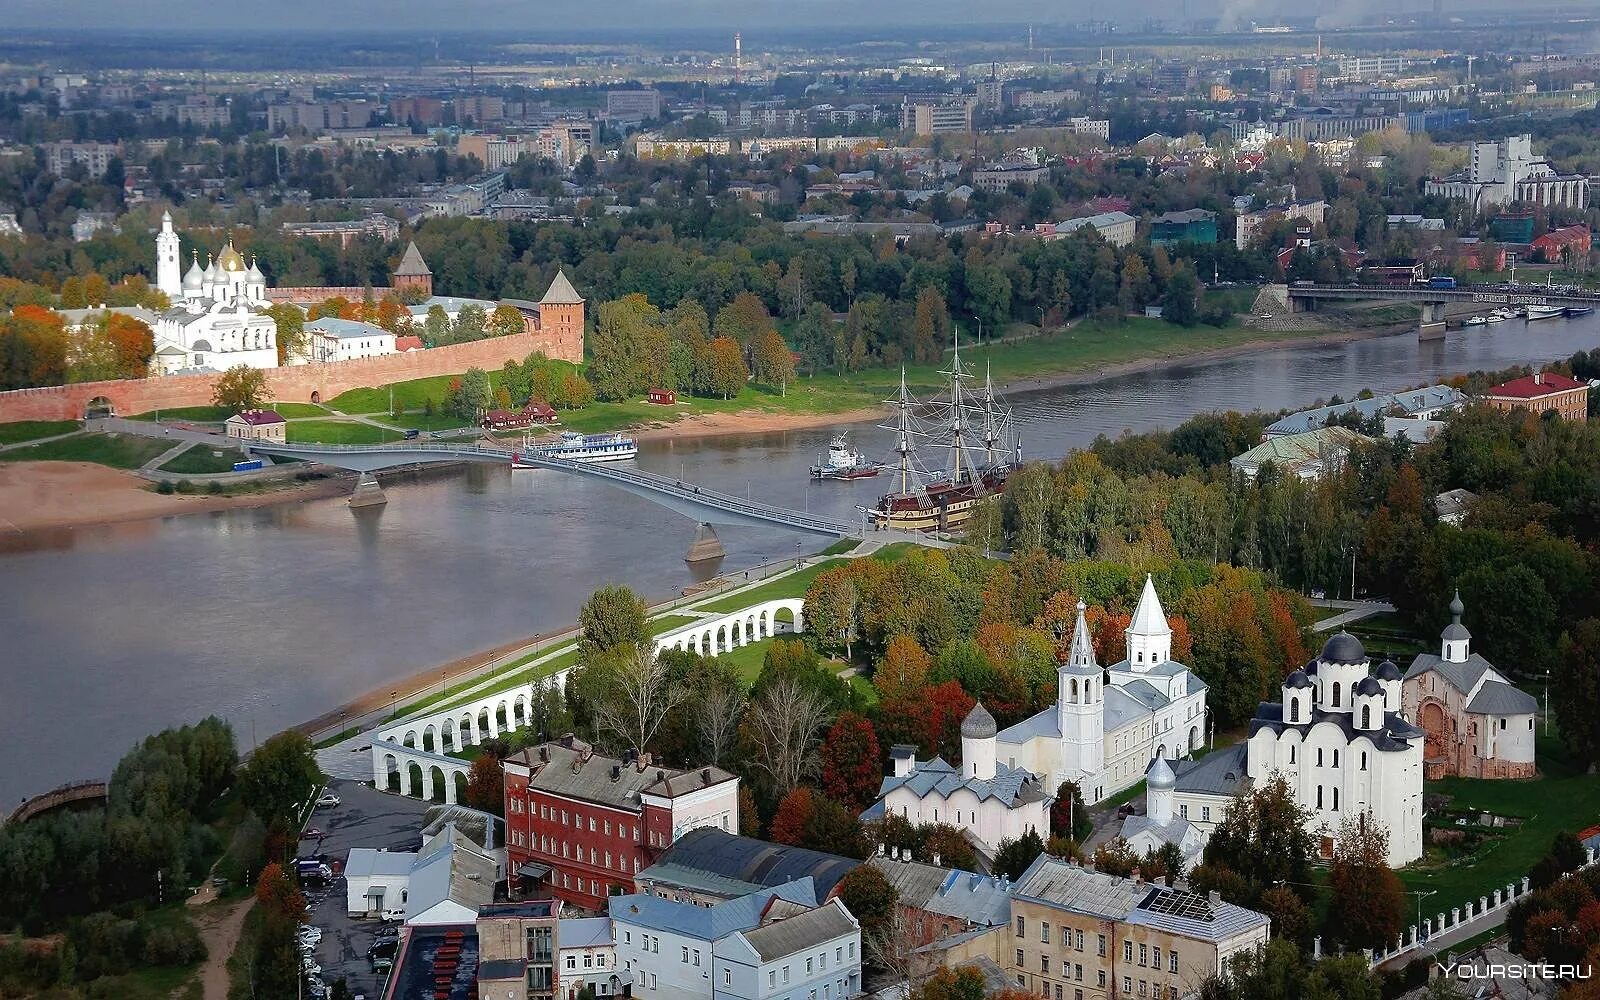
{"x": 364, "y": 818}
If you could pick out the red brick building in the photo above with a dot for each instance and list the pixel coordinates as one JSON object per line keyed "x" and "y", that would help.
{"x": 1542, "y": 391}
{"x": 1550, "y": 247}
{"x": 580, "y": 824}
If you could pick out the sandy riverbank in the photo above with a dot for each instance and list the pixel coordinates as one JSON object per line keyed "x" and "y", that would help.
{"x": 39, "y": 496}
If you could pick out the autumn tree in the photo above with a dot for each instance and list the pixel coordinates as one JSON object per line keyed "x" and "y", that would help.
{"x": 240, "y": 388}
{"x": 851, "y": 761}
{"x": 1115, "y": 857}
{"x": 743, "y": 320}
{"x": 726, "y": 374}
{"x": 33, "y": 348}
{"x": 290, "y": 328}
{"x": 790, "y": 822}
{"x": 749, "y": 815}
{"x": 504, "y": 321}
{"x": 931, "y": 721}
{"x": 277, "y": 894}
{"x": 833, "y": 607}
{"x": 773, "y": 364}
{"x": 1068, "y": 815}
{"x": 1367, "y": 908}
{"x": 902, "y": 673}
{"x": 486, "y": 785}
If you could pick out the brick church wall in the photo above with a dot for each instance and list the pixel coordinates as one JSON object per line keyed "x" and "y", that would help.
{"x": 560, "y": 339}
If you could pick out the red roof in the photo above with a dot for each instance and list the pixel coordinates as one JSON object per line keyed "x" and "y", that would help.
{"x": 1534, "y": 386}
{"x": 1571, "y": 235}
{"x": 407, "y": 342}
{"x": 256, "y": 418}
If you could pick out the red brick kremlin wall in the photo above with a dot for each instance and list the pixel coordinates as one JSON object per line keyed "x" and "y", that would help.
{"x": 300, "y": 383}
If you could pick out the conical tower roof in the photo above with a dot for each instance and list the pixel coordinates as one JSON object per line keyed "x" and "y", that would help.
{"x": 1148, "y": 618}
{"x": 979, "y": 724}
{"x": 561, "y": 292}
{"x": 1080, "y": 658}
{"x": 411, "y": 263}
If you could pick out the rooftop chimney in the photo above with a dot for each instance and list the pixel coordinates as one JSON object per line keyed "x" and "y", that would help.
{"x": 616, "y": 772}
{"x": 705, "y": 775}
{"x": 1215, "y": 897}
{"x": 1538, "y": 378}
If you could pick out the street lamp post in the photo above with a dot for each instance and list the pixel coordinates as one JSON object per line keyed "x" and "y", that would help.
{"x": 1420, "y": 896}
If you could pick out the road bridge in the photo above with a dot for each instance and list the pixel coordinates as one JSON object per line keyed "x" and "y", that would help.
{"x": 1304, "y": 297}
{"x": 704, "y": 505}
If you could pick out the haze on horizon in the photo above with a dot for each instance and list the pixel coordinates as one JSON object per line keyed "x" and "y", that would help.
{"x": 567, "y": 16}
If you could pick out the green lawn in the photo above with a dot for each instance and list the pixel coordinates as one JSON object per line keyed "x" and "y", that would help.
{"x": 29, "y": 430}
{"x": 1562, "y": 798}
{"x": 422, "y": 421}
{"x": 1089, "y": 346}
{"x": 200, "y": 460}
{"x": 863, "y": 687}
{"x": 292, "y": 411}
{"x": 338, "y": 432}
{"x": 793, "y": 585}
{"x": 120, "y": 451}
{"x": 202, "y": 414}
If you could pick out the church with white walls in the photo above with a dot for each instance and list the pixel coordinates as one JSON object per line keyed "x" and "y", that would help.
{"x": 218, "y": 316}
{"x": 1109, "y": 723}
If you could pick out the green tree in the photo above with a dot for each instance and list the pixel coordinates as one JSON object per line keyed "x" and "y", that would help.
{"x": 1577, "y": 677}
{"x": 1137, "y": 288}
{"x": 833, "y": 606}
{"x": 1013, "y": 857}
{"x": 473, "y": 396}
{"x": 1068, "y": 816}
{"x": 612, "y": 618}
{"x": 815, "y": 334}
{"x": 726, "y": 375}
{"x": 866, "y": 892}
{"x": 1180, "y": 303}
{"x": 290, "y": 324}
{"x": 240, "y": 388}
{"x": 773, "y": 363}
{"x": 1264, "y": 839}
{"x": 279, "y": 777}
{"x": 505, "y": 321}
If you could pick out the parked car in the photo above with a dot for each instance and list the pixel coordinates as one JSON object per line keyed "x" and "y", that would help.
{"x": 327, "y": 800}
{"x": 383, "y": 949}
{"x": 311, "y": 833}
{"x": 382, "y": 963}
{"x": 395, "y": 914}
{"x": 309, "y": 931}
{"x": 316, "y": 987}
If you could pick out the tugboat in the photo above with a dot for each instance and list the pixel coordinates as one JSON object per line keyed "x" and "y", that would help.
{"x": 974, "y": 432}
{"x": 843, "y": 462}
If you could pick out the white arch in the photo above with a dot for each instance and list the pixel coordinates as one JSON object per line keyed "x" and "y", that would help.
{"x": 711, "y": 636}
{"x": 430, "y": 738}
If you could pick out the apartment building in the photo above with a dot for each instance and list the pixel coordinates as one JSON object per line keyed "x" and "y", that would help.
{"x": 935, "y": 119}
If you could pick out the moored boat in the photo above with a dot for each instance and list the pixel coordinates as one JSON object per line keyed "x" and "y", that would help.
{"x": 1475, "y": 321}
{"x": 843, "y": 462}
{"x": 1545, "y": 312}
{"x": 587, "y": 448}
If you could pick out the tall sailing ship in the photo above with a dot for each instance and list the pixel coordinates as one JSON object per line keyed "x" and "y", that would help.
{"x": 951, "y": 452}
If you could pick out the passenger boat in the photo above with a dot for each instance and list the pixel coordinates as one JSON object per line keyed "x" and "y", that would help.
{"x": 843, "y": 462}
{"x": 1580, "y": 310}
{"x": 1545, "y": 312}
{"x": 1475, "y": 321}
{"x": 1494, "y": 317}
{"x": 589, "y": 448}
{"x": 971, "y": 431}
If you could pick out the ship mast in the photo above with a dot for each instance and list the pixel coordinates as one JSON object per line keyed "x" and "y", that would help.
{"x": 903, "y": 431}
{"x": 991, "y": 431}
{"x": 958, "y": 416}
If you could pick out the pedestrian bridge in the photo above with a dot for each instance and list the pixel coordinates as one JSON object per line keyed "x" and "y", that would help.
{"x": 701, "y": 503}
{"x": 1303, "y": 296}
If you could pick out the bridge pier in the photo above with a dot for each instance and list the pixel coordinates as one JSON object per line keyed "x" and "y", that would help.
{"x": 706, "y": 545}
{"x": 368, "y": 493}
{"x": 1432, "y": 325}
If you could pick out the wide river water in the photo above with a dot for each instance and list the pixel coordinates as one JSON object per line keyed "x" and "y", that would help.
{"x": 269, "y": 616}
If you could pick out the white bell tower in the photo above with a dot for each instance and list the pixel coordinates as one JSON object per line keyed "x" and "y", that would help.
{"x": 1080, "y": 712}
{"x": 1149, "y": 635}
{"x": 1455, "y": 640}
{"x": 169, "y": 279}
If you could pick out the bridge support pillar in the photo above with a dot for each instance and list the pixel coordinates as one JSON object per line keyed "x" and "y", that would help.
{"x": 1432, "y": 326}
{"x": 368, "y": 493}
{"x": 705, "y": 547}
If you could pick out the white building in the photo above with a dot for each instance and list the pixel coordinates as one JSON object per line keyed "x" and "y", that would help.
{"x": 1161, "y": 824}
{"x": 1338, "y": 738}
{"x": 586, "y": 955}
{"x": 1500, "y": 173}
{"x": 1116, "y": 228}
{"x": 769, "y": 945}
{"x": 333, "y": 339}
{"x": 376, "y": 881}
{"x": 1109, "y": 723}
{"x": 218, "y": 316}
{"x": 991, "y": 801}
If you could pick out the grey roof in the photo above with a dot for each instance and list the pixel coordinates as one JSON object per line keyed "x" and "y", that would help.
{"x": 696, "y": 880}
{"x": 503, "y": 968}
{"x": 1187, "y": 215}
{"x": 584, "y": 932}
{"x": 1172, "y": 833}
{"x": 1218, "y": 773}
{"x": 1369, "y": 685}
{"x": 574, "y": 771}
{"x": 1455, "y": 630}
{"x": 1500, "y": 698}
{"x": 709, "y": 849}
{"x": 1101, "y": 221}
{"x": 1122, "y": 708}
{"x": 1298, "y": 679}
{"x": 453, "y": 872}
{"x": 1055, "y": 882}
{"x": 779, "y": 938}
{"x": 367, "y": 862}
{"x": 561, "y": 292}
{"x": 977, "y": 899}
{"x": 346, "y": 329}
{"x": 1392, "y": 735}
{"x": 1387, "y": 671}
{"x": 1159, "y": 774}
{"x": 483, "y": 829}
{"x": 1180, "y": 911}
{"x": 708, "y": 923}
{"x": 1456, "y": 501}
{"x": 1411, "y": 401}
{"x": 1196, "y": 685}
{"x": 1044, "y": 723}
{"x": 1145, "y": 693}
{"x": 1343, "y": 647}
{"x": 1463, "y": 677}
{"x": 979, "y": 724}
{"x": 411, "y": 262}
{"x": 1012, "y": 786}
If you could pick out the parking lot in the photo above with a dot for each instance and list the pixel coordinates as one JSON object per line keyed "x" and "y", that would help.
{"x": 363, "y": 818}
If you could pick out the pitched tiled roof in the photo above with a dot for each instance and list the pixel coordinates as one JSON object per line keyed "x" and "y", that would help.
{"x": 1217, "y": 773}
{"x": 411, "y": 263}
{"x": 778, "y": 938}
{"x": 1013, "y": 786}
{"x": 1463, "y": 677}
{"x": 258, "y": 418}
{"x": 752, "y": 861}
{"x": 561, "y": 292}
{"x": 978, "y": 899}
{"x": 1534, "y": 386}
{"x": 708, "y": 923}
{"x": 1500, "y": 698}
{"x": 574, "y": 771}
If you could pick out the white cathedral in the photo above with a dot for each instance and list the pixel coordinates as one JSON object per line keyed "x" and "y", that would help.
{"x": 1106, "y": 727}
{"x": 218, "y": 317}
{"x": 1109, "y": 723}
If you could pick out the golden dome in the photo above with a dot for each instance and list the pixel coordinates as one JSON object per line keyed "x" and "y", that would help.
{"x": 229, "y": 259}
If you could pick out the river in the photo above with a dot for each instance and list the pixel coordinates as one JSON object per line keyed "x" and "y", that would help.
{"x": 269, "y": 616}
